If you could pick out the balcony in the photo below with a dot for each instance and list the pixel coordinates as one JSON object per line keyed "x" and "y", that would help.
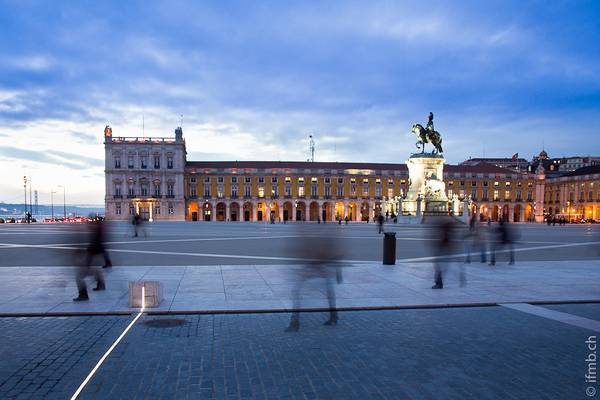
{"x": 117, "y": 196}
{"x": 193, "y": 196}
{"x": 131, "y": 196}
{"x": 314, "y": 196}
{"x": 156, "y": 196}
{"x": 288, "y": 196}
{"x": 234, "y": 196}
{"x": 247, "y": 196}
{"x": 206, "y": 196}
{"x": 170, "y": 196}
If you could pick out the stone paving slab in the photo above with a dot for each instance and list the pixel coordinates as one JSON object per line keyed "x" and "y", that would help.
{"x": 453, "y": 353}
{"x": 48, "y": 290}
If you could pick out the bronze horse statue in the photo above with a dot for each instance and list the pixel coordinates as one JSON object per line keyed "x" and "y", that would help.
{"x": 427, "y": 136}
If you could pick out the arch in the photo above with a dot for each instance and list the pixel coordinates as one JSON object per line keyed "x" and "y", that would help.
{"x": 377, "y": 209}
{"x": 193, "y": 214}
{"x": 247, "y": 214}
{"x": 327, "y": 212}
{"x": 517, "y": 213}
{"x": 300, "y": 211}
{"x": 273, "y": 212}
{"x": 495, "y": 213}
{"x": 504, "y": 212}
{"x": 261, "y": 212}
{"x": 207, "y": 212}
{"x": 339, "y": 212}
{"x": 483, "y": 212}
{"x": 528, "y": 213}
{"x": 314, "y": 211}
{"x": 288, "y": 211}
{"x": 234, "y": 211}
{"x": 220, "y": 211}
{"x": 352, "y": 212}
{"x": 364, "y": 211}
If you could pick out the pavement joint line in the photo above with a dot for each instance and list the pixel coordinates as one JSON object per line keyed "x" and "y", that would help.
{"x": 290, "y": 310}
{"x": 241, "y": 256}
{"x": 559, "y": 316}
{"x": 111, "y": 348}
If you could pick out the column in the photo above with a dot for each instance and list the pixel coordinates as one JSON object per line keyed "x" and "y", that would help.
{"x": 227, "y": 208}
{"x": 151, "y": 206}
{"x": 372, "y": 211}
{"x": 213, "y": 211}
{"x": 320, "y": 212}
{"x": 345, "y": 213}
{"x": 522, "y": 213}
{"x": 280, "y": 208}
{"x": 511, "y": 214}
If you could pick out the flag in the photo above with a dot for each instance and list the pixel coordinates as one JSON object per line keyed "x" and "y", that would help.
{"x": 515, "y": 156}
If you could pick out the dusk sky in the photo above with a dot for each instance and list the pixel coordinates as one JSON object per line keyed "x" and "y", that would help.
{"x": 253, "y": 79}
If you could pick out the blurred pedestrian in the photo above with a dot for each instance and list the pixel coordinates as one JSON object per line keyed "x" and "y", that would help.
{"x": 95, "y": 248}
{"x": 444, "y": 231}
{"x": 322, "y": 267}
{"x": 503, "y": 236}
{"x": 380, "y": 223}
{"x": 475, "y": 240}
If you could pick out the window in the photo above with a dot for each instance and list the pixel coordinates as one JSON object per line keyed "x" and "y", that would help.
{"x": 247, "y": 179}
{"x": 365, "y": 181}
{"x": 207, "y": 179}
{"x": 301, "y": 181}
{"x": 144, "y": 161}
{"x": 340, "y": 191}
{"x": 118, "y": 161}
{"x": 473, "y": 183}
{"x": 273, "y": 179}
{"x": 495, "y": 195}
{"x": 170, "y": 190}
{"x": 390, "y": 182}
{"x": 288, "y": 179}
{"x": 130, "y": 191}
{"x": 507, "y": 184}
{"x": 365, "y": 191}
{"x": 529, "y": 196}
{"x": 341, "y": 181}
{"x": 377, "y": 191}
{"x": 314, "y": 190}
{"x": 462, "y": 183}
{"x": 118, "y": 209}
{"x": 220, "y": 191}
{"x": 131, "y": 209}
{"x": 261, "y": 192}
{"x": 507, "y": 195}
{"x": 157, "y": 189}
{"x": 288, "y": 191}
{"x": 474, "y": 193}
{"x": 193, "y": 179}
{"x": 220, "y": 179}
{"x": 193, "y": 191}
{"x": 313, "y": 179}
{"x": 234, "y": 191}
{"x": 206, "y": 191}
{"x": 327, "y": 179}
{"x": 118, "y": 190}
{"x": 274, "y": 191}
{"x": 300, "y": 191}
{"x": 485, "y": 183}
{"x": 450, "y": 183}
{"x": 247, "y": 191}
{"x": 449, "y": 193}
{"x": 130, "y": 161}
{"x": 327, "y": 191}
{"x": 157, "y": 209}
{"x": 169, "y": 162}
{"x": 390, "y": 192}
{"x": 144, "y": 190}
{"x": 171, "y": 209}
{"x": 352, "y": 189}
{"x": 352, "y": 180}
{"x": 156, "y": 162}
{"x": 261, "y": 179}
{"x": 234, "y": 179}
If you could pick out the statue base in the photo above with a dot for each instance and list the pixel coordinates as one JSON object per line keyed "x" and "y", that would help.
{"x": 426, "y": 173}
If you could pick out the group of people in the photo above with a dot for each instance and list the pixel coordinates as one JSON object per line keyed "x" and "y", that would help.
{"x": 487, "y": 241}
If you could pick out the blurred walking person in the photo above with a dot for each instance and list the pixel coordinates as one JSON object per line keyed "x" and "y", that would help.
{"x": 444, "y": 231}
{"x": 503, "y": 236}
{"x": 322, "y": 267}
{"x": 475, "y": 240}
{"x": 380, "y": 223}
{"x": 95, "y": 248}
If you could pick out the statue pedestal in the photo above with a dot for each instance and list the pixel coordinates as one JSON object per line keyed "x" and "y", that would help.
{"x": 426, "y": 173}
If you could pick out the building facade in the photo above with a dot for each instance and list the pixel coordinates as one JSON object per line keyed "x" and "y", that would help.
{"x": 152, "y": 177}
{"x": 574, "y": 195}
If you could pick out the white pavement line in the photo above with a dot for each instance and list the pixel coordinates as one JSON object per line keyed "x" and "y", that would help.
{"x": 559, "y": 316}
{"x": 111, "y": 348}
{"x": 516, "y": 250}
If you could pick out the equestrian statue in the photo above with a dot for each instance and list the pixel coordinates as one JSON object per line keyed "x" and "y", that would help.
{"x": 428, "y": 135}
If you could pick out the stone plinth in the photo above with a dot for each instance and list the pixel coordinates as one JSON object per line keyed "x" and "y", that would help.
{"x": 426, "y": 172}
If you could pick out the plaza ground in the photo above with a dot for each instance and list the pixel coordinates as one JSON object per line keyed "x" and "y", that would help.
{"x": 499, "y": 337}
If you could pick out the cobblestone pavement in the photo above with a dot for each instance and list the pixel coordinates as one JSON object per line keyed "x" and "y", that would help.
{"x": 452, "y": 353}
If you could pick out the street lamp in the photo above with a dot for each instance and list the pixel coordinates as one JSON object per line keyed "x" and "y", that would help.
{"x": 52, "y": 203}
{"x": 64, "y": 201}
{"x": 25, "y": 192}
{"x": 569, "y": 211}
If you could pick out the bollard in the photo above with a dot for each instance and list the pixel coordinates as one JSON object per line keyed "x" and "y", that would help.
{"x": 389, "y": 248}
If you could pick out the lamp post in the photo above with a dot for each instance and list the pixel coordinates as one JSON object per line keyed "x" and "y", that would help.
{"x": 52, "y": 203}
{"x": 25, "y": 192}
{"x": 64, "y": 201}
{"x": 569, "y": 211}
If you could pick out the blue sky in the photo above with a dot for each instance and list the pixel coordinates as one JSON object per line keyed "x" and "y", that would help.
{"x": 254, "y": 79}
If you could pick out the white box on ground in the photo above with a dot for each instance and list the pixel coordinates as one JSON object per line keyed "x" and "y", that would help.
{"x": 152, "y": 289}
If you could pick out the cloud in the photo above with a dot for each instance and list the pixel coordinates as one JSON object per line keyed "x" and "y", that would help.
{"x": 52, "y": 157}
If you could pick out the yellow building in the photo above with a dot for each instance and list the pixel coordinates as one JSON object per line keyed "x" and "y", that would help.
{"x": 575, "y": 195}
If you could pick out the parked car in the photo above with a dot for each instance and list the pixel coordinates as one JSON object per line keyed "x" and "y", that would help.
{"x": 1, "y": 220}
{"x": 10, "y": 220}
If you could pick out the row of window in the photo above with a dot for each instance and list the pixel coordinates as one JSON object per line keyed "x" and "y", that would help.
{"x": 143, "y": 161}
{"x": 143, "y": 190}
{"x": 156, "y": 209}
{"x": 496, "y": 195}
